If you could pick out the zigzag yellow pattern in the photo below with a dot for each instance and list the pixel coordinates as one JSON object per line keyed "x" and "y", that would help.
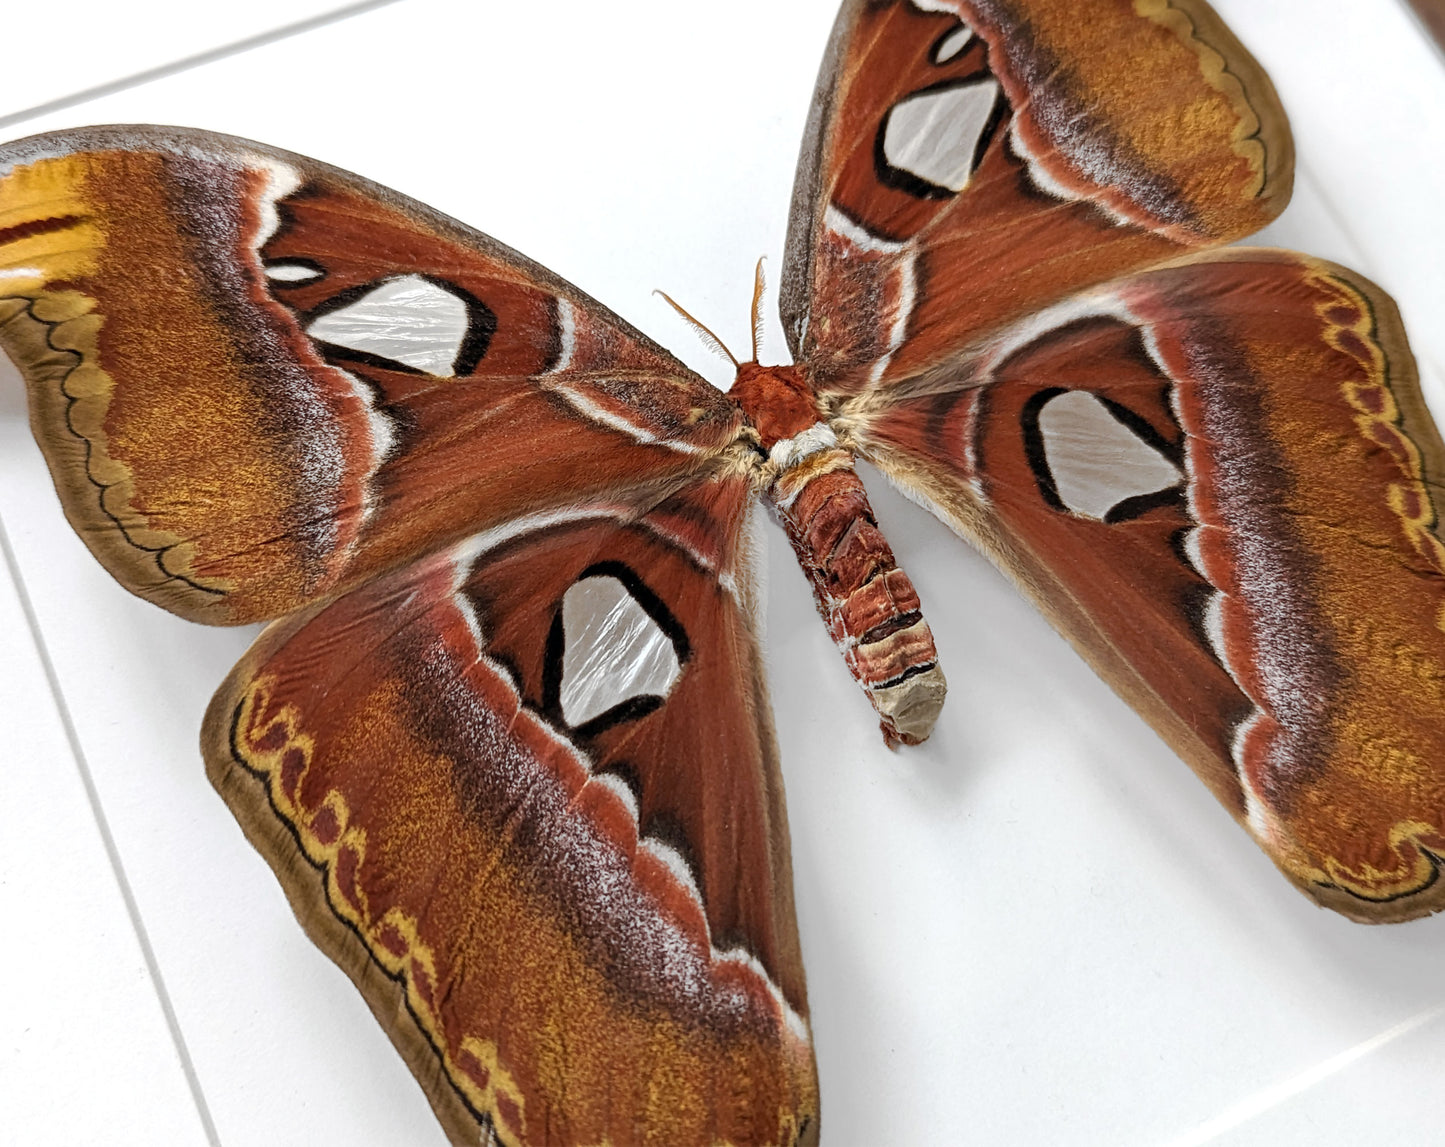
{"x": 326, "y": 835}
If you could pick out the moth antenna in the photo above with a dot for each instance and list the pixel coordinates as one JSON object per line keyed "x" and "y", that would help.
{"x": 759, "y": 286}
{"x": 709, "y": 339}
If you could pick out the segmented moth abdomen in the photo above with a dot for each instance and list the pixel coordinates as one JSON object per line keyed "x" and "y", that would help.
{"x": 869, "y": 604}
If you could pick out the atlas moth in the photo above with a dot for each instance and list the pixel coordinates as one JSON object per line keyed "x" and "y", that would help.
{"x": 506, "y": 741}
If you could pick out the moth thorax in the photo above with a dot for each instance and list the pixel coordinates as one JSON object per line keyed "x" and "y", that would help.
{"x": 776, "y": 400}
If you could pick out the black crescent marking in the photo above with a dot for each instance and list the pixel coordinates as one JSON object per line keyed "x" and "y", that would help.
{"x": 1126, "y": 509}
{"x": 481, "y": 326}
{"x": 1034, "y": 447}
{"x": 633, "y": 708}
{"x": 906, "y": 181}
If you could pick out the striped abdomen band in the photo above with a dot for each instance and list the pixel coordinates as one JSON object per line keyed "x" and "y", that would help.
{"x": 868, "y": 603}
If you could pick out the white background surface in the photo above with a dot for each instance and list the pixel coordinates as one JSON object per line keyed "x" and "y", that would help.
{"x": 1038, "y": 928}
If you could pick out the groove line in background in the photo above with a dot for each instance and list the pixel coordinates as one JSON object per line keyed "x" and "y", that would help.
{"x": 1275, "y": 1094}
{"x": 209, "y": 56}
{"x": 112, "y": 852}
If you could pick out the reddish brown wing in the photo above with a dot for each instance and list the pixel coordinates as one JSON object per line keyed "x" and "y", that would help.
{"x": 525, "y": 792}
{"x": 258, "y": 379}
{"x": 1219, "y": 480}
{"x": 969, "y": 161}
